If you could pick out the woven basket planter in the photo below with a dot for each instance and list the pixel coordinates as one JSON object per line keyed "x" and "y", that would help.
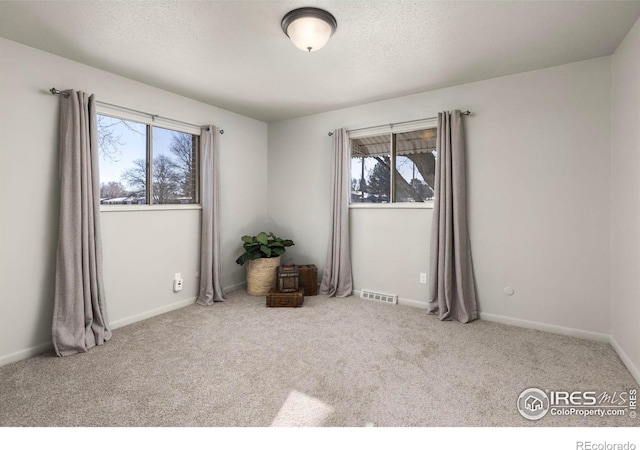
{"x": 261, "y": 275}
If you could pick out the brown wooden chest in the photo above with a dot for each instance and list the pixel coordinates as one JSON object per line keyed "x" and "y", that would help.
{"x": 285, "y": 299}
{"x": 287, "y": 278}
{"x": 308, "y": 279}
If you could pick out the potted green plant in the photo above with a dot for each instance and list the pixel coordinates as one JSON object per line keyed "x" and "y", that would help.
{"x": 262, "y": 253}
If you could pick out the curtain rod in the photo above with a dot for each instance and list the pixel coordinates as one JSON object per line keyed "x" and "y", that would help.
{"x": 464, "y": 113}
{"x": 55, "y": 91}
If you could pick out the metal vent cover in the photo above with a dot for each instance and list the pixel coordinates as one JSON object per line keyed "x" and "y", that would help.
{"x": 383, "y": 297}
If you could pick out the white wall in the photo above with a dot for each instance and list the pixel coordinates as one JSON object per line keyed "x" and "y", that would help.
{"x": 539, "y": 196}
{"x": 142, "y": 250}
{"x": 538, "y": 169}
{"x": 625, "y": 200}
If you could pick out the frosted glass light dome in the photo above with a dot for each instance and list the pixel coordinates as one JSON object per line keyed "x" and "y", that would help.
{"x": 309, "y": 28}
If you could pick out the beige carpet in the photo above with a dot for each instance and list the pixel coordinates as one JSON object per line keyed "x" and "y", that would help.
{"x": 334, "y": 362}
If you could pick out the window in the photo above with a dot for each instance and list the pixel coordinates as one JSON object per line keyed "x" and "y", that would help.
{"x": 393, "y": 167}
{"x": 144, "y": 164}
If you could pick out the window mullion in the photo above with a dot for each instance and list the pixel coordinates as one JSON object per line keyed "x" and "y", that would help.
{"x": 392, "y": 169}
{"x": 149, "y": 165}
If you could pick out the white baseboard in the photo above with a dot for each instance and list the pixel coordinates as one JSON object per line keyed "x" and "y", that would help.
{"x": 26, "y": 353}
{"x": 46, "y": 346}
{"x": 557, "y": 329}
{"x": 163, "y": 309}
{"x": 635, "y": 373}
{"x": 32, "y": 351}
{"x": 234, "y": 287}
{"x": 582, "y": 334}
{"x": 154, "y": 312}
{"x": 413, "y": 303}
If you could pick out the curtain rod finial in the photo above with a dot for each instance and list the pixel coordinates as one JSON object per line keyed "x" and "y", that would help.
{"x": 55, "y": 91}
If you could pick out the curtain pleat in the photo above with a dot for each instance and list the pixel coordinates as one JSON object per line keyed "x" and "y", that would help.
{"x": 452, "y": 292}
{"x": 80, "y": 314}
{"x": 337, "y": 279}
{"x": 210, "y": 267}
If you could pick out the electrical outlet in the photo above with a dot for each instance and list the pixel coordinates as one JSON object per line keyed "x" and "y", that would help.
{"x": 423, "y": 278}
{"x": 177, "y": 282}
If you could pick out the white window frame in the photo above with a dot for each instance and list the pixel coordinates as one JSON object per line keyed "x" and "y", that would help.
{"x": 154, "y": 121}
{"x": 389, "y": 130}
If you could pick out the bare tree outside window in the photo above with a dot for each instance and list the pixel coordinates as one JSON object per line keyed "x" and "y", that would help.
{"x": 136, "y": 178}
{"x": 166, "y": 180}
{"x": 110, "y": 140}
{"x": 113, "y": 189}
{"x": 124, "y": 177}
{"x": 122, "y": 143}
{"x": 179, "y": 154}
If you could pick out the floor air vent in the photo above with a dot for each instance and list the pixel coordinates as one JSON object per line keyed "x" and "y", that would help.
{"x": 392, "y": 299}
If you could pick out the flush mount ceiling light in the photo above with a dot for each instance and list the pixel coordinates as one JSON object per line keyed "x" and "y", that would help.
{"x": 309, "y": 28}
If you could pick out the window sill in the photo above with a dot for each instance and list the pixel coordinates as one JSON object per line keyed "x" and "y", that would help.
{"x": 129, "y": 208}
{"x": 408, "y": 205}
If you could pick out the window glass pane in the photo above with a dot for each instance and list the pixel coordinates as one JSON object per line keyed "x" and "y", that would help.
{"x": 175, "y": 170}
{"x": 415, "y": 165}
{"x": 370, "y": 174}
{"x": 122, "y": 146}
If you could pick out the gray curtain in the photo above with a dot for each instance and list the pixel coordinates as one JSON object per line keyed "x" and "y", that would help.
{"x": 336, "y": 279}
{"x": 210, "y": 267}
{"x": 79, "y": 312}
{"x": 452, "y": 291}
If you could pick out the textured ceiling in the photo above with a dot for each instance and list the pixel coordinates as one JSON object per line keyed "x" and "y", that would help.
{"x": 233, "y": 54}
